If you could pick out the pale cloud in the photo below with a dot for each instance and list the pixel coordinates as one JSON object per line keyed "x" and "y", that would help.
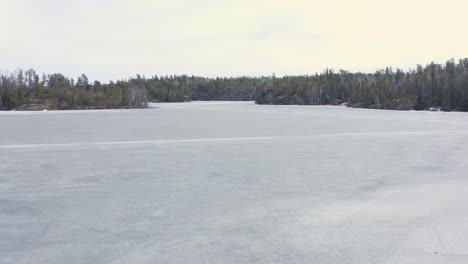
{"x": 114, "y": 39}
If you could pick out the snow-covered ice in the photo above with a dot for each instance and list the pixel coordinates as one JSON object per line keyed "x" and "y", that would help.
{"x": 233, "y": 182}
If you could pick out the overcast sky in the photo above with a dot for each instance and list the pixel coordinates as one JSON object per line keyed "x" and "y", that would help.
{"x": 111, "y": 39}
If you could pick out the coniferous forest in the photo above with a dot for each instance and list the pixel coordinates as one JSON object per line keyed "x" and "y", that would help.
{"x": 434, "y": 86}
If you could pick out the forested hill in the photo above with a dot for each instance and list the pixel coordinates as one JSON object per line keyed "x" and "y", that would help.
{"x": 434, "y": 86}
{"x": 25, "y": 90}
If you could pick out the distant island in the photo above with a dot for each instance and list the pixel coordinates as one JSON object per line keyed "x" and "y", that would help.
{"x": 433, "y": 87}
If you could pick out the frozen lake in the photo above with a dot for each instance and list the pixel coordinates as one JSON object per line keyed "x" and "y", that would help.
{"x": 233, "y": 183}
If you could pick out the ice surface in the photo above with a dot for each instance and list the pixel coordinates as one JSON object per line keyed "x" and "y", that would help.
{"x": 233, "y": 183}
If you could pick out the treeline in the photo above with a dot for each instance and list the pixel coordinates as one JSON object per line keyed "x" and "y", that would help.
{"x": 434, "y": 86}
{"x": 25, "y": 90}
{"x": 185, "y": 88}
